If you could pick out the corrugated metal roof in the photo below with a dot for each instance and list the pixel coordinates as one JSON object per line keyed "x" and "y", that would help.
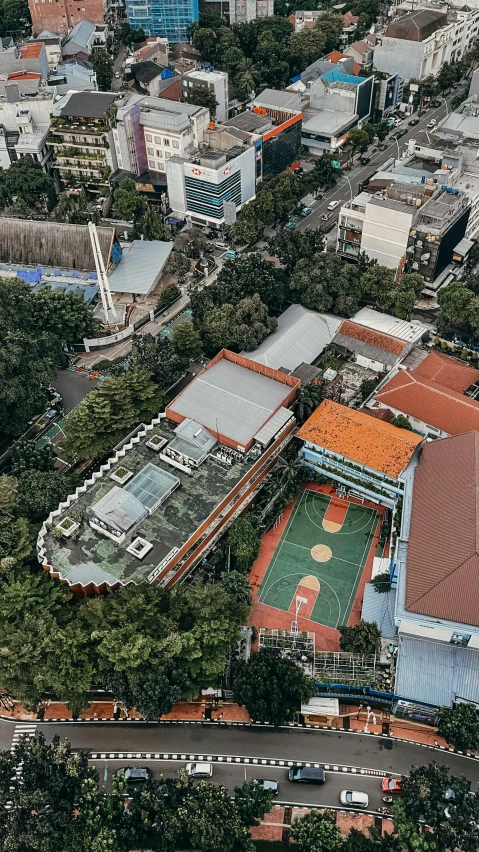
{"x": 388, "y": 324}
{"x": 140, "y": 267}
{"x": 436, "y": 673}
{"x": 380, "y": 608}
{"x": 273, "y": 425}
{"x": 300, "y": 338}
{"x": 366, "y": 350}
{"x": 231, "y": 400}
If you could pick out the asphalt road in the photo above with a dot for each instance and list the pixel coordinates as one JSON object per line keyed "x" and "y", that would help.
{"x": 73, "y": 387}
{"x": 291, "y": 744}
{"x": 348, "y": 184}
{"x": 234, "y": 776}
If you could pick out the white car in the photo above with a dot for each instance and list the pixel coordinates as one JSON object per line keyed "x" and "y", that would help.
{"x": 220, "y": 245}
{"x": 332, "y": 205}
{"x": 354, "y": 799}
{"x": 199, "y": 770}
{"x": 431, "y": 124}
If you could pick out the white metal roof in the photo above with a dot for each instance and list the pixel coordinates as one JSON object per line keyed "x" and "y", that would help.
{"x": 231, "y": 400}
{"x": 140, "y": 267}
{"x": 402, "y": 329}
{"x": 300, "y": 338}
{"x": 273, "y": 425}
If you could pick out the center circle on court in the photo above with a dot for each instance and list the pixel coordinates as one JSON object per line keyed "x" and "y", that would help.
{"x": 321, "y": 553}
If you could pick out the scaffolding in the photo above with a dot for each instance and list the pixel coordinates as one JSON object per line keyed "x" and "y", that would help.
{"x": 343, "y": 667}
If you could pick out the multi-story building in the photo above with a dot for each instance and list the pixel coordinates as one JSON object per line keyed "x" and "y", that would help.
{"x": 24, "y": 126}
{"x": 31, "y": 57}
{"x": 244, "y": 11}
{"x": 338, "y": 100}
{"x": 73, "y": 74}
{"x": 84, "y": 38}
{"x": 81, "y": 135}
{"x": 162, "y": 17}
{"x": 215, "y": 82}
{"x": 199, "y": 189}
{"x": 61, "y": 16}
{"x": 415, "y": 45}
{"x": 148, "y": 131}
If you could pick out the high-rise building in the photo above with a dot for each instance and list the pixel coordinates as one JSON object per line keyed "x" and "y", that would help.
{"x": 215, "y": 82}
{"x": 61, "y": 16}
{"x": 165, "y": 18}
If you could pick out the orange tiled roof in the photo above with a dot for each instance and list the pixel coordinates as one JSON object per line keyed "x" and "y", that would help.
{"x": 335, "y": 56}
{"x": 448, "y": 372}
{"x": 432, "y": 403}
{"x": 361, "y": 438}
{"x": 349, "y": 19}
{"x": 30, "y": 51}
{"x": 374, "y": 338}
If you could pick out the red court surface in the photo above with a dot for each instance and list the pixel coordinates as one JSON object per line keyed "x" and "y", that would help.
{"x": 263, "y": 615}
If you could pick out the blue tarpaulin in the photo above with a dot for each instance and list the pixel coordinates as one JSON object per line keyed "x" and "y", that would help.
{"x": 172, "y": 220}
{"x": 92, "y": 276}
{"x": 31, "y": 276}
{"x": 56, "y": 272}
{"x": 116, "y": 253}
{"x": 75, "y": 274}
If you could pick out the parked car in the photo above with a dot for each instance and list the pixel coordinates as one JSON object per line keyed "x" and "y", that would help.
{"x": 364, "y": 160}
{"x": 134, "y": 775}
{"x": 221, "y": 245}
{"x": 199, "y": 770}
{"x": 383, "y": 146}
{"x": 398, "y": 121}
{"x": 392, "y": 785}
{"x": 413, "y": 122}
{"x": 332, "y": 205}
{"x": 431, "y": 124}
{"x": 117, "y": 75}
{"x": 267, "y": 784}
{"x": 306, "y": 211}
{"x": 306, "y": 774}
{"x": 401, "y": 133}
{"x": 291, "y": 225}
{"x": 354, "y": 799}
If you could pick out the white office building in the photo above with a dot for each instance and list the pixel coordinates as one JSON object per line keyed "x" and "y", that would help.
{"x": 198, "y": 190}
{"x": 215, "y": 81}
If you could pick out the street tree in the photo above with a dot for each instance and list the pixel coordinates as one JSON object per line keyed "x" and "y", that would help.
{"x": 103, "y": 67}
{"x": 169, "y": 295}
{"x": 109, "y": 412}
{"x": 179, "y": 265}
{"x": 153, "y": 228}
{"x": 454, "y": 301}
{"x": 459, "y": 726}
{"x": 244, "y": 544}
{"x": 187, "y": 342}
{"x": 8, "y": 492}
{"x": 41, "y": 491}
{"x": 358, "y": 140}
{"x": 382, "y": 129}
{"x": 317, "y": 832}
{"x": 362, "y": 638}
{"x": 292, "y": 246}
{"x": 271, "y": 687}
{"x": 159, "y": 358}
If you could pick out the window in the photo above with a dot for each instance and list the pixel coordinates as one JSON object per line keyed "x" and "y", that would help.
{"x": 166, "y": 143}
{"x": 161, "y": 167}
{"x": 176, "y": 144}
{"x": 151, "y": 164}
{"x": 159, "y": 154}
{"x": 167, "y": 156}
{"x": 148, "y": 137}
{"x": 150, "y": 151}
{"x": 158, "y": 140}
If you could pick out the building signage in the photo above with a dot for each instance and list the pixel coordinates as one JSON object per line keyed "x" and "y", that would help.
{"x": 195, "y": 171}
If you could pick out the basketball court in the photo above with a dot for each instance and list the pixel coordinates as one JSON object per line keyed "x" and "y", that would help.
{"x": 319, "y": 560}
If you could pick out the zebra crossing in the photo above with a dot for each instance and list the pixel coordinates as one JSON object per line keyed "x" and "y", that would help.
{"x": 22, "y": 731}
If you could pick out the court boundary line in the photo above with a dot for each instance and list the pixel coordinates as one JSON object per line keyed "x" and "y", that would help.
{"x": 280, "y": 543}
{"x": 352, "y": 532}
{"x": 321, "y": 580}
{"x": 357, "y": 580}
{"x": 364, "y": 508}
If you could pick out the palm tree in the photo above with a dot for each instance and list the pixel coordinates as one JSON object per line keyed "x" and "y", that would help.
{"x": 307, "y": 401}
{"x": 248, "y": 76}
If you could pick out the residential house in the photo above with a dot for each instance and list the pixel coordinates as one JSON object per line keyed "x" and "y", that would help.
{"x": 436, "y": 570}
{"x": 85, "y": 37}
{"x": 362, "y": 53}
{"x": 147, "y": 77}
{"x": 432, "y": 396}
{"x": 371, "y": 349}
{"x": 30, "y": 56}
{"x": 53, "y": 46}
{"x": 82, "y": 139}
{"x": 74, "y": 74}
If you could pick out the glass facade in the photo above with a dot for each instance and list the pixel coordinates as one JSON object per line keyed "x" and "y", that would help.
{"x": 282, "y": 150}
{"x": 207, "y": 198}
{"x": 164, "y": 18}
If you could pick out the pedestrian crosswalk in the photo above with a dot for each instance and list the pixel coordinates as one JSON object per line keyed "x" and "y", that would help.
{"x": 20, "y": 731}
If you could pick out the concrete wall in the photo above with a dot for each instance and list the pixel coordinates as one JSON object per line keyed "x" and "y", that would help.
{"x": 398, "y": 56}
{"x": 61, "y": 16}
{"x": 385, "y": 234}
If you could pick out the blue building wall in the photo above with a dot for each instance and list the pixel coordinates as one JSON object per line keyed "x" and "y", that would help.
{"x": 164, "y": 18}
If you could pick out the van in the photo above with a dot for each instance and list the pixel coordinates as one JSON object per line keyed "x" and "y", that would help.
{"x": 307, "y": 774}
{"x": 332, "y": 205}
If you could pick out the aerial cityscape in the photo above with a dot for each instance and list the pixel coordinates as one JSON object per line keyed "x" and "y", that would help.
{"x": 239, "y": 426}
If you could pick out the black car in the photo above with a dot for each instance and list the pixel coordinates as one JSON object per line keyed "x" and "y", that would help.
{"x": 307, "y": 774}
{"x": 401, "y": 133}
{"x": 364, "y": 160}
{"x": 134, "y": 776}
{"x": 413, "y": 122}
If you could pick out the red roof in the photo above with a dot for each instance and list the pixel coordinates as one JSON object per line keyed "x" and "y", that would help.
{"x": 349, "y": 19}
{"x": 378, "y": 413}
{"x": 448, "y": 372}
{"x": 336, "y": 55}
{"x": 442, "y": 576}
{"x": 30, "y": 51}
{"x": 374, "y": 338}
{"x": 24, "y": 75}
{"x": 430, "y": 402}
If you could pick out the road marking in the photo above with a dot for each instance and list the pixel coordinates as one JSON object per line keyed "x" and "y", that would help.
{"x": 20, "y": 731}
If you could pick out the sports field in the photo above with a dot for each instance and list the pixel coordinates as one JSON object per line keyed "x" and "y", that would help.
{"x": 318, "y": 562}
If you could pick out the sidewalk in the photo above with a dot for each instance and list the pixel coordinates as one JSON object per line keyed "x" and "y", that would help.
{"x": 192, "y": 711}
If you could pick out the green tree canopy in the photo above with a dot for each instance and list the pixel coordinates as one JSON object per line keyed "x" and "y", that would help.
{"x": 202, "y": 96}
{"x": 317, "y": 832}
{"x": 159, "y": 358}
{"x": 362, "y": 638}
{"x": 103, "y": 67}
{"x": 187, "y": 342}
{"x": 153, "y": 228}
{"x": 41, "y": 491}
{"x": 401, "y": 422}
{"x": 459, "y": 726}
{"x": 128, "y": 204}
{"x": 270, "y": 687}
{"x": 26, "y": 180}
{"x": 244, "y": 543}
{"x": 109, "y": 412}
{"x": 179, "y": 265}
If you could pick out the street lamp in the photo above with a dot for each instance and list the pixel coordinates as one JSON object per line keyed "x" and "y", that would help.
{"x": 350, "y": 188}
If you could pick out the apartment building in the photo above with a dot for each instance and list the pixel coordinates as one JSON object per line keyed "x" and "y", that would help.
{"x": 61, "y": 16}
{"x": 162, "y": 17}
{"x": 148, "y": 131}
{"x": 215, "y": 82}
{"x": 415, "y": 45}
{"x": 81, "y": 135}
{"x": 25, "y": 126}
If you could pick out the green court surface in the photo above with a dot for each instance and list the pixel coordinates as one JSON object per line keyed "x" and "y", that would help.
{"x": 315, "y": 571}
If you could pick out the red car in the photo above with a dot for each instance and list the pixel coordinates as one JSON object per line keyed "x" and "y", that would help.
{"x": 392, "y": 786}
